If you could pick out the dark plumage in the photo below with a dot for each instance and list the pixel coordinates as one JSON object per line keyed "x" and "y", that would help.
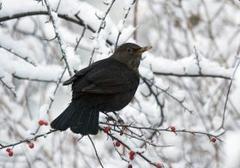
{"x": 107, "y": 85}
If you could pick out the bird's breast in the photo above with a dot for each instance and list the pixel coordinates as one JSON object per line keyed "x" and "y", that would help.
{"x": 117, "y": 101}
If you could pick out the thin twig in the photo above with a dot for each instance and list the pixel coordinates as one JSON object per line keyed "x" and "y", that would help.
{"x": 203, "y": 75}
{"x": 8, "y": 87}
{"x": 60, "y": 15}
{"x": 229, "y": 88}
{"x": 135, "y": 21}
{"x": 25, "y": 58}
{"x": 198, "y": 61}
{"x": 101, "y": 26}
{"x": 149, "y": 85}
{"x": 33, "y": 79}
{"x": 123, "y": 22}
{"x": 129, "y": 148}
{"x": 27, "y": 140}
{"x": 55, "y": 90}
{"x": 78, "y": 42}
{"x": 58, "y": 35}
{"x": 167, "y": 93}
{"x": 95, "y": 150}
{"x": 166, "y": 130}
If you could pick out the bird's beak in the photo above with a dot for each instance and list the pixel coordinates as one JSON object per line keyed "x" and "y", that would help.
{"x": 143, "y": 49}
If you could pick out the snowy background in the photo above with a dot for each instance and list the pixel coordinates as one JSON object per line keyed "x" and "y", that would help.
{"x": 185, "y": 114}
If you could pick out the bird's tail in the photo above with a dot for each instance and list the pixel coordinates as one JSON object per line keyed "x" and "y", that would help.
{"x": 79, "y": 118}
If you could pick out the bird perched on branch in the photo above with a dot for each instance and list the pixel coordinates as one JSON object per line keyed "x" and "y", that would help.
{"x": 107, "y": 85}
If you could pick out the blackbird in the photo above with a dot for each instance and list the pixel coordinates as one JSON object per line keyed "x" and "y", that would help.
{"x": 107, "y": 85}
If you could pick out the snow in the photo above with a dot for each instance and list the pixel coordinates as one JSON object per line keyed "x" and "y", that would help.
{"x": 236, "y": 92}
{"x": 186, "y": 66}
{"x": 25, "y": 70}
{"x": 19, "y": 47}
{"x": 170, "y": 65}
{"x": 232, "y": 149}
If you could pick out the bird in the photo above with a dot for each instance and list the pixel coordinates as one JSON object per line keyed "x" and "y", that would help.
{"x": 105, "y": 86}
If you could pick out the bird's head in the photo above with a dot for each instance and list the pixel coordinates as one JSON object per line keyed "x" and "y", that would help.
{"x": 130, "y": 54}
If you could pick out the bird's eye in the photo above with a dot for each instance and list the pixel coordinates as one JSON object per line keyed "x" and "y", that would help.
{"x": 130, "y": 50}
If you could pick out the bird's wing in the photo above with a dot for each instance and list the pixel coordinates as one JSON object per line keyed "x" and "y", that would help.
{"x": 80, "y": 73}
{"x": 110, "y": 78}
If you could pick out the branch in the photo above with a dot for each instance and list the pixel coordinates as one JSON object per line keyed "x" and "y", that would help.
{"x": 95, "y": 150}
{"x": 155, "y": 94}
{"x": 55, "y": 90}
{"x": 27, "y": 140}
{"x": 33, "y": 79}
{"x": 187, "y": 67}
{"x": 58, "y": 35}
{"x": 229, "y": 88}
{"x": 129, "y": 148}
{"x": 166, "y": 130}
{"x": 123, "y": 22}
{"x": 64, "y": 16}
{"x": 80, "y": 38}
{"x": 8, "y": 87}
{"x": 192, "y": 75}
{"x": 101, "y": 27}
{"x": 150, "y": 83}
{"x": 25, "y": 58}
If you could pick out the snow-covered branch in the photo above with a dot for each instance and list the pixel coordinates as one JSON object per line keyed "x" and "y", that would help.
{"x": 187, "y": 67}
{"x": 55, "y": 22}
{"x": 189, "y": 85}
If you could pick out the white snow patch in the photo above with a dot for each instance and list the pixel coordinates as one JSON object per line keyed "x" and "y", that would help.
{"x": 232, "y": 149}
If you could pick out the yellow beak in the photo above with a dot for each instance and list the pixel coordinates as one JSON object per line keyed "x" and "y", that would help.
{"x": 143, "y": 49}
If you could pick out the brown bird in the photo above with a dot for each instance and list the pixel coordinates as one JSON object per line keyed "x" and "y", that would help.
{"x": 105, "y": 86}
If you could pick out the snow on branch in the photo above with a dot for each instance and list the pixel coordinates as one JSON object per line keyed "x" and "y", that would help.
{"x": 25, "y": 71}
{"x": 66, "y": 10}
{"x": 54, "y": 19}
{"x": 187, "y": 67}
{"x": 180, "y": 68}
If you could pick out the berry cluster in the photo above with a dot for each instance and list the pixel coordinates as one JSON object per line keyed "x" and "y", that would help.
{"x": 10, "y": 152}
{"x": 42, "y": 122}
{"x": 131, "y": 155}
{"x": 106, "y": 129}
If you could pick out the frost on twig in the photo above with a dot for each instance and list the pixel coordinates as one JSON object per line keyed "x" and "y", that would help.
{"x": 10, "y": 88}
{"x": 229, "y": 88}
{"x": 122, "y": 22}
{"x": 55, "y": 22}
{"x": 25, "y": 58}
{"x": 101, "y": 27}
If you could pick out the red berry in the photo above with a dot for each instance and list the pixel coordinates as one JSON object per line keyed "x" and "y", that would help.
{"x": 213, "y": 139}
{"x": 129, "y": 166}
{"x": 42, "y": 122}
{"x": 8, "y": 149}
{"x": 106, "y": 129}
{"x": 117, "y": 144}
{"x": 159, "y": 165}
{"x": 31, "y": 145}
{"x": 10, "y": 153}
{"x": 131, "y": 155}
{"x": 173, "y": 129}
